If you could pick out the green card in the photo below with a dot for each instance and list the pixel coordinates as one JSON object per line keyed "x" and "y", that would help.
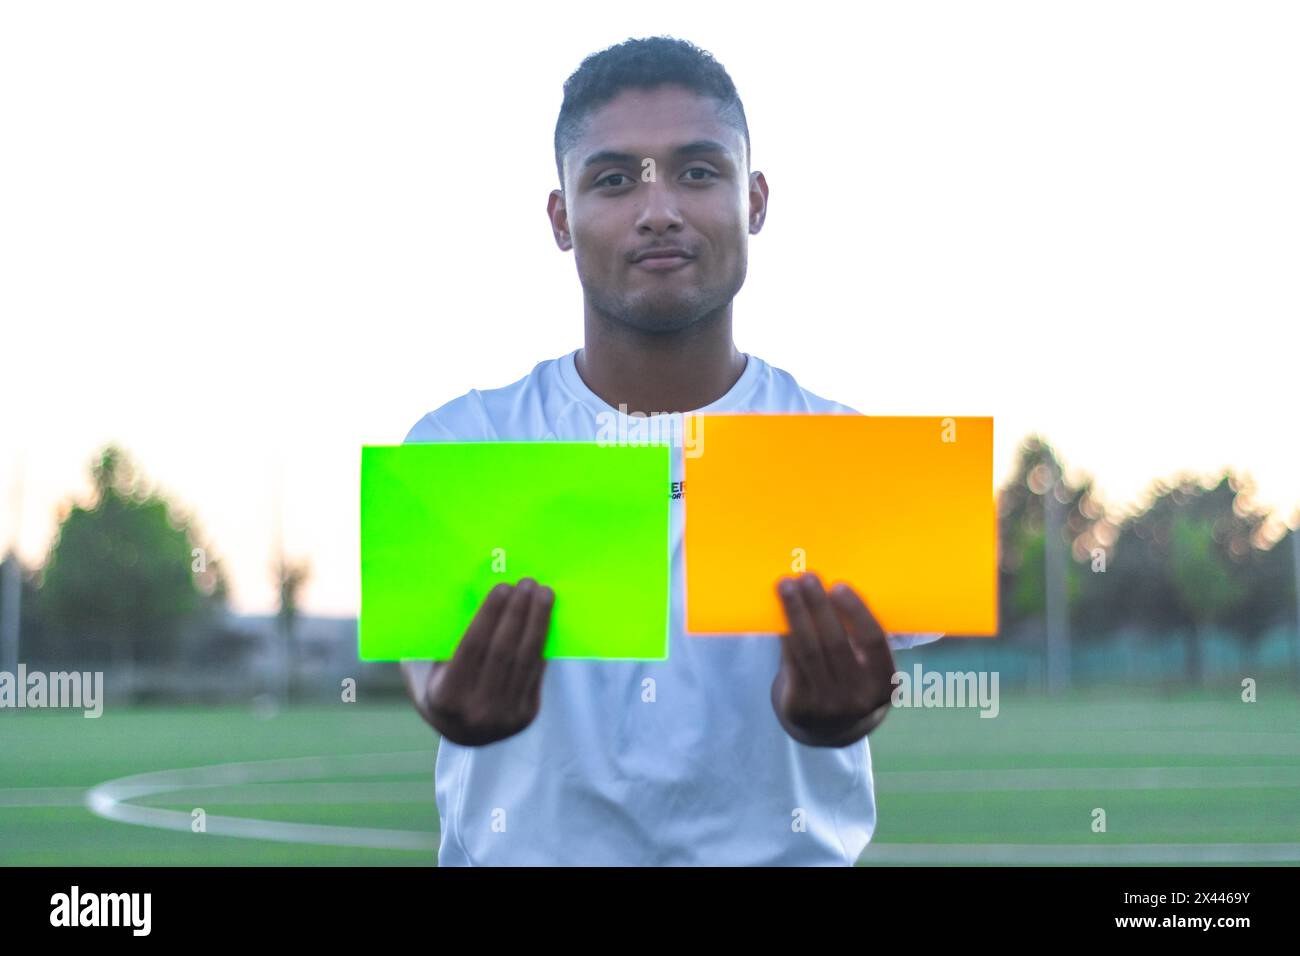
{"x": 443, "y": 522}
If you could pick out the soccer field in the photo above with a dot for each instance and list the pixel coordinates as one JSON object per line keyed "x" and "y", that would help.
{"x": 1181, "y": 779}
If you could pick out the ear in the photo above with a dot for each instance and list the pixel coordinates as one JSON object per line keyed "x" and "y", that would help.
{"x": 757, "y": 202}
{"x": 558, "y": 214}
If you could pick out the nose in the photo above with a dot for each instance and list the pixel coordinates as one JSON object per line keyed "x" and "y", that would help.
{"x": 659, "y": 211}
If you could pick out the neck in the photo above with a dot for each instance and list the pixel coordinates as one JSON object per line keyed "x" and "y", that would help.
{"x": 654, "y": 373}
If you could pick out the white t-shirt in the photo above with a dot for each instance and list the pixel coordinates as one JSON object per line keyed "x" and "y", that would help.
{"x": 698, "y": 772}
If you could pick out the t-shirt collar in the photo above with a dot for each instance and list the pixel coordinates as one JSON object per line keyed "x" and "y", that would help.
{"x": 734, "y": 398}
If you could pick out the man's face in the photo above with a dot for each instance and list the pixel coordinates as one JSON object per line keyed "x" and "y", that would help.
{"x": 701, "y": 202}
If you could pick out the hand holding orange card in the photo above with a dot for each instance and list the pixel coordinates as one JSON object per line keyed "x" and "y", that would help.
{"x": 900, "y": 508}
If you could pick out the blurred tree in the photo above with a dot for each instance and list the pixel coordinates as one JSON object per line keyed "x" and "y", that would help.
{"x": 1195, "y": 557}
{"x": 1021, "y": 540}
{"x": 1266, "y": 569}
{"x": 1204, "y": 587}
{"x": 126, "y": 572}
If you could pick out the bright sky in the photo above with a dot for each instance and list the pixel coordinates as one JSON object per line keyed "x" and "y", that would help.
{"x": 246, "y": 238}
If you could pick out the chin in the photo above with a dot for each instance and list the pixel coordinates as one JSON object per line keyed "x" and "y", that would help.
{"x": 660, "y": 311}
{"x": 673, "y": 320}
{"x": 666, "y": 313}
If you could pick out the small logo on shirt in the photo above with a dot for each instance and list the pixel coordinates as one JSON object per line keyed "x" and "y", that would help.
{"x": 678, "y": 489}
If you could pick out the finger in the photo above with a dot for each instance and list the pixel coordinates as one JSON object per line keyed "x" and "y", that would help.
{"x": 533, "y": 689}
{"x": 499, "y": 660}
{"x": 871, "y": 641}
{"x": 865, "y": 633}
{"x": 800, "y": 642}
{"x": 470, "y": 651}
{"x": 834, "y": 642}
{"x": 528, "y": 656}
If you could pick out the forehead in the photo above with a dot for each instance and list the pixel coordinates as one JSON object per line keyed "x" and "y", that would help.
{"x": 655, "y": 119}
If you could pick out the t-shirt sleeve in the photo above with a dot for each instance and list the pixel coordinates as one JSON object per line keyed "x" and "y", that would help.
{"x": 458, "y": 420}
{"x": 461, "y": 419}
{"x": 416, "y": 673}
{"x": 430, "y": 428}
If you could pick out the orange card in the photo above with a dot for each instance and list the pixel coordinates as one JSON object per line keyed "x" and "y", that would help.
{"x": 901, "y": 508}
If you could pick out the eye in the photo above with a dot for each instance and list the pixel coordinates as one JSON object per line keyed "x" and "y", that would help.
{"x": 605, "y": 179}
{"x": 700, "y": 169}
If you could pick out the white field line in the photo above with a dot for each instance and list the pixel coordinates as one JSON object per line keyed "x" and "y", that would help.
{"x": 108, "y": 800}
{"x": 297, "y": 780}
{"x": 1072, "y": 854}
{"x": 1089, "y": 778}
{"x": 303, "y": 792}
{"x": 899, "y": 781}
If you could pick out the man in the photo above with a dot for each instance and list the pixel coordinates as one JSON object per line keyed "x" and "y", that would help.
{"x": 737, "y": 750}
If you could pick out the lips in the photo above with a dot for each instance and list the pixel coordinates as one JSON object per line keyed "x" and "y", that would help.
{"x": 663, "y": 252}
{"x": 663, "y": 263}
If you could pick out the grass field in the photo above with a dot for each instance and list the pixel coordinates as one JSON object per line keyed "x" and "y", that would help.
{"x": 1182, "y": 779}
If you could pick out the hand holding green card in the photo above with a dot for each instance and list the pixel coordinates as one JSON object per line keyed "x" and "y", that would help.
{"x": 442, "y": 523}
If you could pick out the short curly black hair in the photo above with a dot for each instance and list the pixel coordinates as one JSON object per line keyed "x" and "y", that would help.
{"x": 642, "y": 64}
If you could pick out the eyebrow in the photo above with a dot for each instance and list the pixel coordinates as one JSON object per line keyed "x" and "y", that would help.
{"x": 694, "y": 148}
